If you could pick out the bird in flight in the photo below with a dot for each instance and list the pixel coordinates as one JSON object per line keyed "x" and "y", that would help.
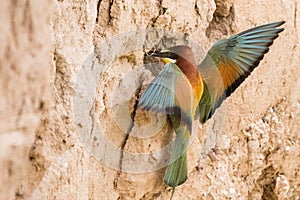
{"x": 186, "y": 91}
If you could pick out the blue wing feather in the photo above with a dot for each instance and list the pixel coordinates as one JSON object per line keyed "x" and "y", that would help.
{"x": 233, "y": 59}
{"x": 160, "y": 94}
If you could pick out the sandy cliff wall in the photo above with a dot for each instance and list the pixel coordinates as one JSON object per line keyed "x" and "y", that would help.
{"x": 71, "y": 75}
{"x": 25, "y": 59}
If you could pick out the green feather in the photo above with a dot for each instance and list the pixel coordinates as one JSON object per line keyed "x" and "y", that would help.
{"x": 245, "y": 51}
{"x": 176, "y": 172}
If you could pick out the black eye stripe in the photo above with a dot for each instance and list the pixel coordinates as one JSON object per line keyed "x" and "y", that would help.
{"x": 160, "y": 54}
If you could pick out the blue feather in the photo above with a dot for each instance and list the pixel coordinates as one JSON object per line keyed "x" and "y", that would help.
{"x": 160, "y": 94}
{"x": 246, "y": 50}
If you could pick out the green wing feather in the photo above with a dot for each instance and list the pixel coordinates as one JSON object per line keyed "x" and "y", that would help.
{"x": 170, "y": 92}
{"x": 230, "y": 61}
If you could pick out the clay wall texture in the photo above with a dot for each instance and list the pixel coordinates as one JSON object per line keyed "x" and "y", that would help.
{"x": 71, "y": 74}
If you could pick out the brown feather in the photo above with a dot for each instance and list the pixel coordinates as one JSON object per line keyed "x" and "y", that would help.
{"x": 229, "y": 72}
{"x": 187, "y": 64}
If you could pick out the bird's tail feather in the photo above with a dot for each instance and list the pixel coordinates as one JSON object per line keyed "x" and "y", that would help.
{"x": 176, "y": 172}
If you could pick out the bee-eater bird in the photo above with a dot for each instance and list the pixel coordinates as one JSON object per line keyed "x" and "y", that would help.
{"x": 186, "y": 91}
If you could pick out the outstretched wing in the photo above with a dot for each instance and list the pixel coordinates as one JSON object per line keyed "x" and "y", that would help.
{"x": 230, "y": 61}
{"x": 170, "y": 92}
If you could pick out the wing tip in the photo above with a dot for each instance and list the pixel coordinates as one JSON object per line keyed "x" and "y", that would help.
{"x": 273, "y": 24}
{"x": 280, "y": 22}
